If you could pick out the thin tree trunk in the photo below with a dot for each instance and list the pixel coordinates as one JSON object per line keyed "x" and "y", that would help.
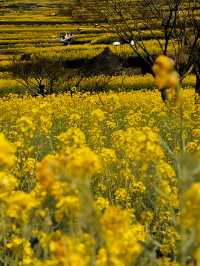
{"x": 197, "y": 86}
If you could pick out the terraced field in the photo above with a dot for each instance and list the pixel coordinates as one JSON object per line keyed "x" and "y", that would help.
{"x": 34, "y": 27}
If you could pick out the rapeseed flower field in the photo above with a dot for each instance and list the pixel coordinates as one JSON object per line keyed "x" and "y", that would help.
{"x": 104, "y": 169}
{"x": 110, "y": 179}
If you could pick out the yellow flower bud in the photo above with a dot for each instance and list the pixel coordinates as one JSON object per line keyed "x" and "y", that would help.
{"x": 164, "y": 62}
{"x": 174, "y": 80}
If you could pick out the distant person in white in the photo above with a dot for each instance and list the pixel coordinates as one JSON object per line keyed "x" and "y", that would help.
{"x": 116, "y": 43}
{"x": 67, "y": 38}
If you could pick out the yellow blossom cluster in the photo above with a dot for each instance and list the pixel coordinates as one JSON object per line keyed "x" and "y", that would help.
{"x": 107, "y": 180}
{"x": 166, "y": 77}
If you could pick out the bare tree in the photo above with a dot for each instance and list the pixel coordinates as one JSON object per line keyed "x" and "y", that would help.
{"x": 176, "y": 21}
{"x": 186, "y": 39}
{"x": 193, "y": 42}
{"x": 129, "y": 18}
{"x": 39, "y": 75}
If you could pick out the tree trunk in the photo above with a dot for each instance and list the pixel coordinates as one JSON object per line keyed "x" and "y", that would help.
{"x": 42, "y": 90}
{"x": 197, "y": 87}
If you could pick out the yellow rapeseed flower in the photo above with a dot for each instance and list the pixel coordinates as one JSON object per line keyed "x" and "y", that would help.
{"x": 82, "y": 162}
{"x": 7, "y": 152}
